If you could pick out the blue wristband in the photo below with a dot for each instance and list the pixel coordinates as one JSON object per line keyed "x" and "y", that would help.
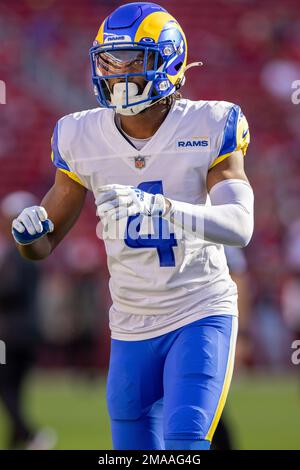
{"x": 25, "y": 238}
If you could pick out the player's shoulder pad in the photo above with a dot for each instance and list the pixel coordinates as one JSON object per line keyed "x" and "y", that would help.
{"x": 214, "y": 112}
{"x": 235, "y": 130}
{"x": 71, "y": 127}
{"x": 67, "y": 130}
{"x": 218, "y": 110}
{"x": 230, "y": 125}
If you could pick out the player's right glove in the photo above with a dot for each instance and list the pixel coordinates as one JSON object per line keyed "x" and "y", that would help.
{"x": 118, "y": 201}
{"x": 31, "y": 224}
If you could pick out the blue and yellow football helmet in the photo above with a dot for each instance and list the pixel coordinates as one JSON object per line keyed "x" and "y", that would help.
{"x": 137, "y": 40}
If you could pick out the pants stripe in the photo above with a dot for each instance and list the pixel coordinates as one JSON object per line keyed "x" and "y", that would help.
{"x": 227, "y": 380}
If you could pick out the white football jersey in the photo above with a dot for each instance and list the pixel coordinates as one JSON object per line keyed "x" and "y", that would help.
{"x": 158, "y": 285}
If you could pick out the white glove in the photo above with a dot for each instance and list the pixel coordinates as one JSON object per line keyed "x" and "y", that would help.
{"x": 117, "y": 201}
{"x": 31, "y": 224}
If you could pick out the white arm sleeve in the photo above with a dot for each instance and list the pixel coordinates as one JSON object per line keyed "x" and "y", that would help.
{"x": 229, "y": 220}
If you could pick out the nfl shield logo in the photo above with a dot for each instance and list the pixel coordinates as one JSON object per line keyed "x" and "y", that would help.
{"x": 139, "y": 162}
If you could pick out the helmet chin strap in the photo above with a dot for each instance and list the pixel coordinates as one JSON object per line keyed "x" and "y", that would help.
{"x": 118, "y": 98}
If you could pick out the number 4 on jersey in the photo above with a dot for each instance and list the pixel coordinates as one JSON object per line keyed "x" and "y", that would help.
{"x": 162, "y": 239}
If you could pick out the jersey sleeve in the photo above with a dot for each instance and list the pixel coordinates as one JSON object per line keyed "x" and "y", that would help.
{"x": 236, "y": 135}
{"x": 57, "y": 158}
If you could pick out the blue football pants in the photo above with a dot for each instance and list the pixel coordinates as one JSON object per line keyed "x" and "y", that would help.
{"x": 169, "y": 391}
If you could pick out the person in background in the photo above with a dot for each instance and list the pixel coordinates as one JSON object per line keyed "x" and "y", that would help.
{"x": 224, "y": 438}
{"x": 18, "y": 328}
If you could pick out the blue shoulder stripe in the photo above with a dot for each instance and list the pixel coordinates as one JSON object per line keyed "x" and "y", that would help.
{"x": 57, "y": 158}
{"x": 229, "y": 137}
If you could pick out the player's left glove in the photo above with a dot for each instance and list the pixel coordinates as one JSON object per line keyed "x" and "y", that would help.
{"x": 118, "y": 201}
{"x": 31, "y": 224}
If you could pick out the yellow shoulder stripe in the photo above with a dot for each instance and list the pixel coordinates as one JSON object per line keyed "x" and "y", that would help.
{"x": 69, "y": 173}
{"x": 72, "y": 176}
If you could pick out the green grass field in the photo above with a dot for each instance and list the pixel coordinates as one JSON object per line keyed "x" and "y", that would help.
{"x": 264, "y": 411}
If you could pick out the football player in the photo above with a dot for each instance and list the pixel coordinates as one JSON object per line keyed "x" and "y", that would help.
{"x": 149, "y": 155}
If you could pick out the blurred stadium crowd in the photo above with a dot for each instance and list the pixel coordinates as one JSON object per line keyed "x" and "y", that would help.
{"x": 251, "y": 55}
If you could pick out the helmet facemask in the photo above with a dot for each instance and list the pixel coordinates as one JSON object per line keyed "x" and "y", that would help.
{"x": 131, "y": 77}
